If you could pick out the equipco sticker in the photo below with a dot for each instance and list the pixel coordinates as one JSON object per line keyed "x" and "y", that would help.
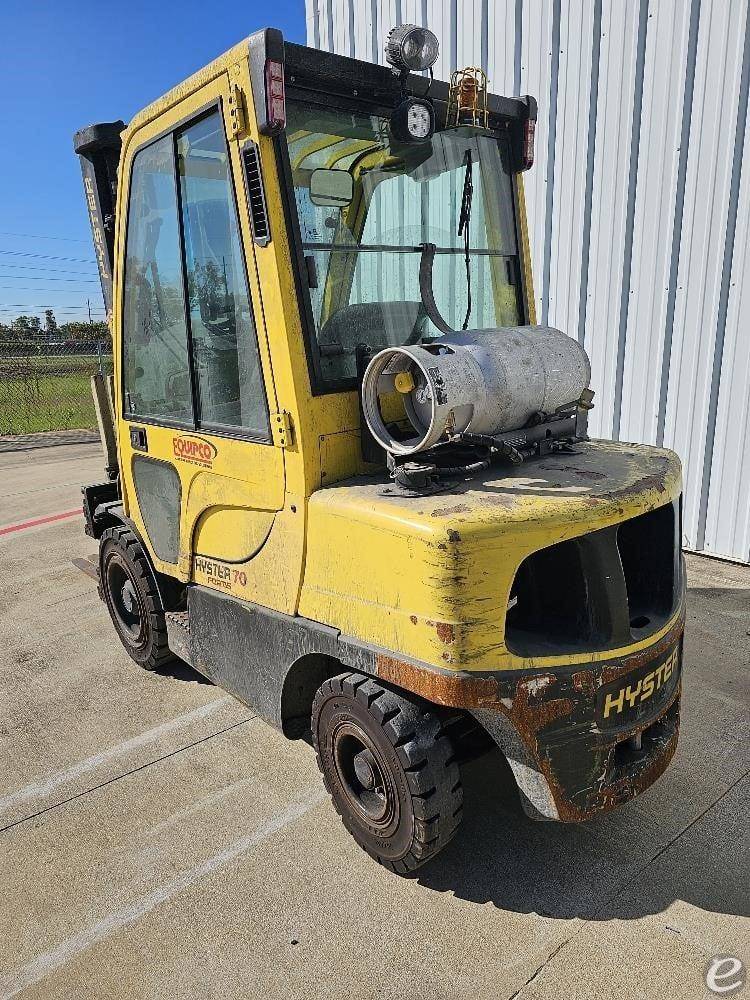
{"x": 195, "y": 450}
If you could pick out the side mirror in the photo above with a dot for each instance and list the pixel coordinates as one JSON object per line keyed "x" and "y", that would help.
{"x": 331, "y": 188}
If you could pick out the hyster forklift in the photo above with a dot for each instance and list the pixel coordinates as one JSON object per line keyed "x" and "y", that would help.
{"x": 348, "y": 475}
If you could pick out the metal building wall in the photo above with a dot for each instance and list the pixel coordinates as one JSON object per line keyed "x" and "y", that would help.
{"x": 639, "y": 210}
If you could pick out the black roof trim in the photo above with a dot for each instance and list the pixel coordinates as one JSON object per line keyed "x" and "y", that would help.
{"x": 315, "y": 69}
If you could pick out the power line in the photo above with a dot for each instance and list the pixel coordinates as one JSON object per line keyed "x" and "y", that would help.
{"x": 82, "y": 297}
{"x": 44, "y": 256}
{"x": 6, "y": 318}
{"x": 32, "y": 288}
{"x": 7, "y": 322}
{"x": 38, "y": 236}
{"x": 46, "y": 269}
{"x": 39, "y": 277}
{"x": 79, "y": 317}
{"x": 42, "y": 305}
{"x": 44, "y": 277}
{"x": 11, "y": 306}
{"x": 58, "y": 312}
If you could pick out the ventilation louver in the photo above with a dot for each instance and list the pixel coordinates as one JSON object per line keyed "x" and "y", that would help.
{"x": 256, "y": 197}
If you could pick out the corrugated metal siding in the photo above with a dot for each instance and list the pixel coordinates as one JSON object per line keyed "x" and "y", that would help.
{"x": 639, "y": 210}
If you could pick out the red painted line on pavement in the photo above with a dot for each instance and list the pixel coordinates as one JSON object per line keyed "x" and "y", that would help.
{"x": 39, "y": 520}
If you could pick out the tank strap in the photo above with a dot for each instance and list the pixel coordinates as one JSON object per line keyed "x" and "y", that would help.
{"x": 425, "y": 288}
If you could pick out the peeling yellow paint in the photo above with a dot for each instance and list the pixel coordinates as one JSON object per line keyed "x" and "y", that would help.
{"x": 385, "y": 567}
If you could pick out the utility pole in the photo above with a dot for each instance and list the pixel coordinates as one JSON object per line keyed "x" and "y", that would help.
{"x": 88, "y": 303}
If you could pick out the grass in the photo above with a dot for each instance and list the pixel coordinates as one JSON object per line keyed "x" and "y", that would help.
{"x": 40, "y": 392}
{"x": 46, "y": 402}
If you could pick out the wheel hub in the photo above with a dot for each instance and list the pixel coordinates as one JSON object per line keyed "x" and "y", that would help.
{"x": 124, "y": 599}
{"x": 364, "y": 768}
{"x": 128, "y": 597}
{"x": 364, "y": 776}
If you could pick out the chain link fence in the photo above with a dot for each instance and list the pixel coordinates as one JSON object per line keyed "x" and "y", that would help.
{"x": 46, "y": 386}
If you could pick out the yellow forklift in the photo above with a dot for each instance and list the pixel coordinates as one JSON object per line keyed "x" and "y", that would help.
{"x": 348, "y": 475}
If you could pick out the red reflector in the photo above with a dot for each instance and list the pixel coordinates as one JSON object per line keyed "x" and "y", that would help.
{"x": 275, "y": 103}
{"x": 527, "y": 154}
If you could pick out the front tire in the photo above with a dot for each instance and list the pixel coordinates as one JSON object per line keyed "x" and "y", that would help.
{"x": 128, "y": 588}
{"x": 389, "y": 768}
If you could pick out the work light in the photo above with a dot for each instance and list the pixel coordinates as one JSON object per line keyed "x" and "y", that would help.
{"x": 413, "y": 120}
{"x": 411, "y": 48}
{"x": 419, "y": 120}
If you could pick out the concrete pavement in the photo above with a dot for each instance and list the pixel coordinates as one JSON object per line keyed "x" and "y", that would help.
{"x": 158, "y": 841}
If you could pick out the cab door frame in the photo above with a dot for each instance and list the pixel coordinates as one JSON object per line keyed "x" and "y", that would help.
{"x": 203, "y": 492}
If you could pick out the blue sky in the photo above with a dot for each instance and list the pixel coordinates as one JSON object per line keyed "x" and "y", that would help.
{"x": 66, "y": 65}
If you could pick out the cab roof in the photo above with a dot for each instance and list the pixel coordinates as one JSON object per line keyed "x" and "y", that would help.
{"x": 309, "y": 69}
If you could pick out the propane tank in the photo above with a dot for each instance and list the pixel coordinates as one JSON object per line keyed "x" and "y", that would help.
{"x": 479, "y": 381}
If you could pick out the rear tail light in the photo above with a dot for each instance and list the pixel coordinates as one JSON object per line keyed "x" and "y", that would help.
{"x": 275, "y": 101}
{"x": 527, "y": 148}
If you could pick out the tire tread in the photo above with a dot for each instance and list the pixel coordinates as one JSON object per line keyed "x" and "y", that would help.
{"x": 417, "y": 734}
{"x": 122, "y": 538}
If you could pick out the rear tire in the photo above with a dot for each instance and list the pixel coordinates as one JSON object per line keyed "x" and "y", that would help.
{"x": 389, "y": 768}
{"x": 127, "y": 586}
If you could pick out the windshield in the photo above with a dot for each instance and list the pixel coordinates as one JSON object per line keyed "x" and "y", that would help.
{"x": 363, "y": 253}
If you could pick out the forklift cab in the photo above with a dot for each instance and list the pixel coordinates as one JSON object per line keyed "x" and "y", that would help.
{"x": 262, "y": 231}
{"x": 260, "y": 240}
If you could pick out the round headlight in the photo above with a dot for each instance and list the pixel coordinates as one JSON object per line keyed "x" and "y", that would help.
{"x": 410, "y": 47}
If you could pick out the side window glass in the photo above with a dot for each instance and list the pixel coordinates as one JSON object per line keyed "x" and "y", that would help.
{"x": 224, "y": 341}
{"x": 156, "y": 373}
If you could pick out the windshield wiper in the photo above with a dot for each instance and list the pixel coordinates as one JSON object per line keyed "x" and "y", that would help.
{"x": 464, "y": 219}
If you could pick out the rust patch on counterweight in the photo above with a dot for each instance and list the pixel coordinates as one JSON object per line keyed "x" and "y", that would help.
{"x": 556, "y": 714}
{"x": 441, "y": 687}
{"x": 445, "y": 632}
{"x": 583, "y": 680}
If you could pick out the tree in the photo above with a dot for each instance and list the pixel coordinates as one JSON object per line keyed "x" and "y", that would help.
{"x": 50, "y": 323}
{"x": 84, "y": 331}
{"x": 26, "y": 326}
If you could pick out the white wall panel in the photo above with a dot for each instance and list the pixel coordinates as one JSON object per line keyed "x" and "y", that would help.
{"x": 364, "y": 34}
{"x": 619, "y": 34}
{"x": 667, "y": 53}
{"x": 728, "y": 515}
{"x": 500, "y": 44}
{"x": 639, "y": 209}
{"x": 709, "y": 170}
{"x": 536, "y": 73}
{"x": 442, "y": 12}
{"x": 312, "y": 15}
{"x": 568, "y": 229}
{"x": 342, "y": 12}
{"x": 473, "y": 23}
{"x": 727, "y": 527}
